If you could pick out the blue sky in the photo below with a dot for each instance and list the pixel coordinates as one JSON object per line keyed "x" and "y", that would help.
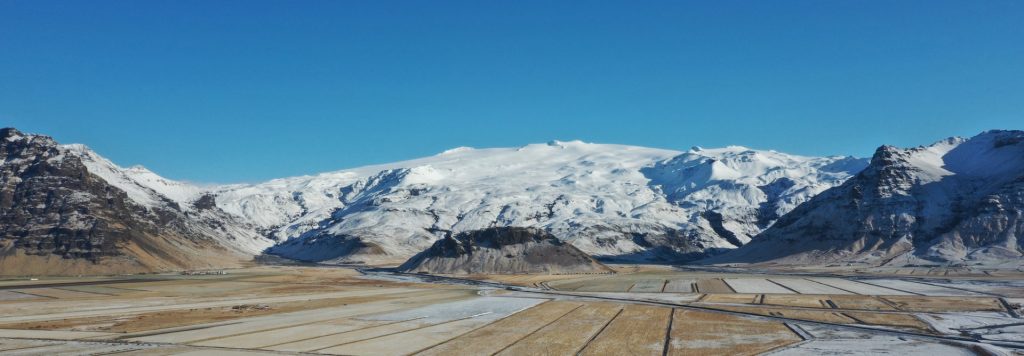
{"x": 230, "y": 91}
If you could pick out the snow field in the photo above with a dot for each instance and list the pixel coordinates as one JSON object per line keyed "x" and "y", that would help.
{"x": 505, "y": 332}
{"x": 804, "y": 286}
{"x": 410, "y": 341}
{"x": 919, "y": 288}
{"x": 858, "y": 287}
{"x": 679, "y": 286}
{"x": 10, "y": 295}
{"x": 756, "y": 285}
{"x": 648, "y": 286}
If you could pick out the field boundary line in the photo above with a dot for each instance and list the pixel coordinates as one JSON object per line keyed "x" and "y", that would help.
{"x": 888, "y": 302}
{"x": 783, "y": 286}
{"x": 853, "y": 318}
{"x": 958, "y": 288}
{"x": 784, "y": 348}
{"x": 33, "y": 294}
{"x": 896, "y": 289}
{"x": 477, "y": 328}
{"x": 279, "y": 327}
{"x": 668, "y": 331}
{"x": 136, "y": 348}
{"x": 72, "y": 284}
{"x": 396, "y": 333}
{"x": 861, "y": 328}
{"x": 171, "y": 331}
{"x": 82, "y": 291}
{"x": 536, "y": 330}
{"x": 30, "y": 347}
{"x": 1009, "y": 309}
{"x": 128, "y": 289}
{"x": 836, "y": 287}
{"x": 337, "y": 333}
{"x": 800, "y": 332}
{"x": 727, "y": 285}
{"x": 599, "y": 331}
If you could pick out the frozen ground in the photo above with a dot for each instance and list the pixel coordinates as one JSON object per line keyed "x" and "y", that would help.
{"x": 829, "y": 341}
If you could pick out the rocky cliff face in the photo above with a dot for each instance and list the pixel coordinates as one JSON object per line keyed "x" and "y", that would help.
{"x": 503, "y": 250}
{"x": 954, "y": 202}
{"x": 59, "y": 217}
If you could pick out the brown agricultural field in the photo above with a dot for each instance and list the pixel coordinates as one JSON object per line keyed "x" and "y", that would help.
{"x": 583, "y": 324}
{"x": 945, "y": 304}
{"x": 890, "y": 319}
{"x": 703, "y": 333}
{"x": 505, "y": 332}
{"x": 638, "y": 330}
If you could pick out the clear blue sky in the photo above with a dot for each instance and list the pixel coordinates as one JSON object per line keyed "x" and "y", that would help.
{"x": 229, "y": 91}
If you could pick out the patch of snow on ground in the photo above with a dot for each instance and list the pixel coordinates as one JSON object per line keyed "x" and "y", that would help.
{"x": 481, "y": 307}
{"x": 832, "y": 341}
{"x": 953, "y": 323}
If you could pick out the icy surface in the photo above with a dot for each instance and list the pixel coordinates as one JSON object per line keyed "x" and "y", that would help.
{"x": 950, "y": 323}
{"x": 483, "y": 307}
{"x": 829, "y": 341}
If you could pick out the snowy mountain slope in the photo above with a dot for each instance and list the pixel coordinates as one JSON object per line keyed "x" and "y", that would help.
{"x": 741, "y": 191}
{"x": 607, "y": 200}
{"x": 612, "y": 201}
{"x": 155, "y": 192}
{"x": 66, "y": 210}
{"x": 142, "y": 185}
{"x": 953, "y": 202}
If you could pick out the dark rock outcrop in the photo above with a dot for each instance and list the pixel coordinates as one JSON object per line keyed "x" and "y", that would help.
{"x": 503, "y": 250}
{"x": 58, "y": 218}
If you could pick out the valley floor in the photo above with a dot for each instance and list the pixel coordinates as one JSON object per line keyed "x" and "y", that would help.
{"x": 651, "y": 310}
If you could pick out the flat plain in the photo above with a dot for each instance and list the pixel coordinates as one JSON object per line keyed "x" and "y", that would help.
{"x": 644, "y": 310}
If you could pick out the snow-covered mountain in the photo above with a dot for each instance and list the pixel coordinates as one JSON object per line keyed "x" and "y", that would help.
{"x": 154, "y": 192}
{"x": 957, "y": 201}
{"x": 612, "y": 201}
{"x": 739, "y": 192}
{"x": 66, "y": 210}
{"x": 608, "y": 200}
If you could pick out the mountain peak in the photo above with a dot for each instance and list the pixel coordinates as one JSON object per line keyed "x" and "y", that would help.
{"x": 455, "y": 150}
{"x": 138, "y": 168}
{"x": 10, "y": 133}
{"x": 558, "y": 143}
{"x": 951, "y": 202}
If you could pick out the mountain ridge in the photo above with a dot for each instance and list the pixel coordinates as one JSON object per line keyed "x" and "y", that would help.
{"x": 65, "y": 210}
{"x": 615, "y": 202}
{"x": 955, "y": 202}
